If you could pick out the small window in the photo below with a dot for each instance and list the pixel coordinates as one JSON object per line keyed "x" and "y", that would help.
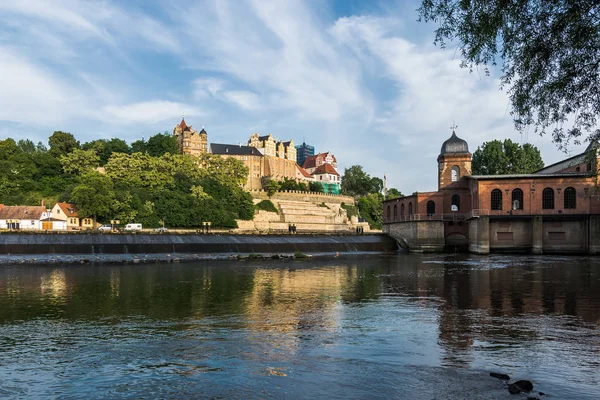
{"x": 496, "y": 199}
{"x": 455, "y": 173}
{"x": 58, "y": 211}
{"x": 517, "y": 199}
{"x": 430, "y": 207}
{"x": 395, "y": 212}
{"x": 570, "y": 198}
{"x": 456, "y": 202}
{"x": 548, "y": 199}
{"x": 409, "y": 208}
{"x": 388, "y": 213}
{"x": 402, "y": 210}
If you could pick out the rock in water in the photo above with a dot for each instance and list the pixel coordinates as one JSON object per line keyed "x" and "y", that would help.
{"x": 525, "y": 386}
{"x": 504, "y": 377}
{"x": 514, "y": 389}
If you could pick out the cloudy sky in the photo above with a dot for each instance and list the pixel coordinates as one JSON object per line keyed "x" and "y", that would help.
{"x": 358, "y": 78}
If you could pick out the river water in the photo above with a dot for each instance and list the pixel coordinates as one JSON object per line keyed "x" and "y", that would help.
{"x": 406, "y": 326}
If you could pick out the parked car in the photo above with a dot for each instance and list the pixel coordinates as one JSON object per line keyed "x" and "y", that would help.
{"x": 133, "y": 227}
{"x": 105, "y": 228}
{"x": 162, "y": 229}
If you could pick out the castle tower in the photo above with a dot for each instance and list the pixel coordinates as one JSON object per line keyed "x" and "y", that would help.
{"x": 454, "y": 160}
{"x": 189, "y": 140}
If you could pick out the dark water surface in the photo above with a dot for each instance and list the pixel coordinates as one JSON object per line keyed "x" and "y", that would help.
{"x": 406, "y": 326}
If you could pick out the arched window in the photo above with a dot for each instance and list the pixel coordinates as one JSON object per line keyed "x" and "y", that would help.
{"x": 388, "y": 213}
{"x": 456, "y": 202}
{"x": 548, "y": 199}
{"x": 430, "y": 207}
{"x": 395, "y": 212}
{"x": 409, "y": 209}
{"x": 496, "y": 199}
{"x": 570, "y": 198}
{"x": 402, "y": 210}
{"x": 517, "y": 199}
{"x": 455, "y": 173}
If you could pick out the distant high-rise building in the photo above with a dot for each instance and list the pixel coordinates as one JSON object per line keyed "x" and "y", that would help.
{"x": 304, "y": 151}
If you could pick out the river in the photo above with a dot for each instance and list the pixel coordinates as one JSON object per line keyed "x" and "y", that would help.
{"x": 405, "y": 326}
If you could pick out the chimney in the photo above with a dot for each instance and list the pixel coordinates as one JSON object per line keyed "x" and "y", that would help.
{"x": 42, "y": 203}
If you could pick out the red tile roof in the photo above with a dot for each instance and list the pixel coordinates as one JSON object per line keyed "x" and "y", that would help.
{"x": 303, "y": 172}
{"x": 182, "y": 124}
{"x": 70, "y": 210}
{"x": 325, "y": 169}
{"x": 310, "y": 162}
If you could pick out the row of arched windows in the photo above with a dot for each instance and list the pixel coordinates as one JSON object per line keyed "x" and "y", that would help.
{"x": 570, "y": 199}
{"x": 401, "y": 210}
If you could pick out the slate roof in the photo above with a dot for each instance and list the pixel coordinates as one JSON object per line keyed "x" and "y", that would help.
{"x": 70, "y": 210}
{"x": 234, "y": 150}
{"x": 263, "y": 138}
{"x": 325, "y": 169}
{"x": 454, "y": 145}
{"x": 22, "y": 212}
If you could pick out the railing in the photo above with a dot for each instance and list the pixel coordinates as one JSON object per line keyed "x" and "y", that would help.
{"x": 428, "y": 217}
{"x": 503, "y": 213}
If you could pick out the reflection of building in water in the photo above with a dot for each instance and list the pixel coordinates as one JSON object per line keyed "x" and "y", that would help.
{"x": 55, "y": 284}
{"x": 298, "y": 303}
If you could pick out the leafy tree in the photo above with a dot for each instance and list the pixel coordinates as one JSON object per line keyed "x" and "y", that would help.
{"x": 105, "y": 148}
{"x": 549, "y": 51}
{"x": 376, "y": 185}
{"x": 78, "y": 161}
{"x": 62, "y": 143}
{"x": 371, "y": 209}
{"x": 139, "y": 146}
{"x": 272, "y": 187}
{"x": 162, "y": 143}
{"x": 94, "y": 196}
{"x": 508, "y": 157}
{"x": 393, "y": 193}
{"x": 315, "y": 187}
{"x": 356, "y": 182}
{"x": 8, "y": 148}
{"x": 26, "y": 146}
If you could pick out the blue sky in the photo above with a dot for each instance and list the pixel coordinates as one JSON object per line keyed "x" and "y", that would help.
{"x": 361, "y": 79}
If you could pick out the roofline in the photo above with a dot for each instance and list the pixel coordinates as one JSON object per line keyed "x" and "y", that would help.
{"x": 560, "y": 162}
{"x": 530, "y": 176}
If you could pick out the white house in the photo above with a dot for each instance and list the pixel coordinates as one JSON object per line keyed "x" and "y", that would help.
{"x": 325, "y": 173}
{"x": 29, "y": 218}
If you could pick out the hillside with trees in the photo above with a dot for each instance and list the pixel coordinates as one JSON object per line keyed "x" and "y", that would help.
{"x": 146, "y": 182}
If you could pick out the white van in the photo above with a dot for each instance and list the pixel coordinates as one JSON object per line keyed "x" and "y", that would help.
{"x": 133, "y": 227}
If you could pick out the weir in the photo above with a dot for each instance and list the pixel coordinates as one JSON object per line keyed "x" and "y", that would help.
{"x": 14, "y": 244}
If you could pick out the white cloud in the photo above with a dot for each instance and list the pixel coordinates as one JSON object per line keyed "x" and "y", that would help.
{"x": 147, "y": 112}
{"x": 245, "y": 100}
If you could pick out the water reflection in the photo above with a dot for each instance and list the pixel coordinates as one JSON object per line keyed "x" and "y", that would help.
{"x": 459, "y": 311}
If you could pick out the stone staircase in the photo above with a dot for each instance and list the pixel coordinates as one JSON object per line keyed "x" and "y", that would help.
{"x": 305, "y": 215}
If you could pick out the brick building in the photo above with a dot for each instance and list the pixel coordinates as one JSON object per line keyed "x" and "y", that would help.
{"x": 190, "y": 141}
{"x": 551, "y": 210}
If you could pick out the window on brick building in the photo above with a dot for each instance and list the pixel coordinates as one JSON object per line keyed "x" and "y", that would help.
{"x": 430, "y": 207}
{"x": 570, "y": 198}
{"x": 455, "y": 173}
{"x": 456, "y": 201}
{"x": 548, "y": 199}
{"x": 395, "y": 212}
{"x": 388, "y": 213}
{"x": 409, "y": 209}
{"x": 402, "y": 210}
{"x": 496, "y": 199}
{"x": 517, "y": 199}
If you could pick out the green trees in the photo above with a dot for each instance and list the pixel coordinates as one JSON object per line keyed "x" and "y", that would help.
{"x": 393, "y": 193}
{"x": 62, "y": 143}
{"x": 549, "y": 51}
{"x": 507, "y": 157}
{"x": 94, "y": 196}
{"x": 181, "y": 189}
{"x": 357, "y": 182}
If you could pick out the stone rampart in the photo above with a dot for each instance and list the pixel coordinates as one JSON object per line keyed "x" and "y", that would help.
{"x": 312, "y": 197}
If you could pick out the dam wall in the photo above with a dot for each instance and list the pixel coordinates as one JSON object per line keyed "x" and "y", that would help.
{"x": 96, "y": 243}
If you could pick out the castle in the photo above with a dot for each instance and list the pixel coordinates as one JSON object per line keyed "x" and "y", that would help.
{"x": 264, "y": 156}
{"x": 553, "y": 210}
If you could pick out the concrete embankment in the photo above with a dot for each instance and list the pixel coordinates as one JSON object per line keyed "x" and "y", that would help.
{"x": 126, "y": 247}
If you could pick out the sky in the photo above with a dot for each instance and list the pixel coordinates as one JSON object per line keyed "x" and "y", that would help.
{"x": 361, "y": 79}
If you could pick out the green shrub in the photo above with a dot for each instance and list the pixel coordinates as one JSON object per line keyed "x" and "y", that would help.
{"x": 266, "y": 205}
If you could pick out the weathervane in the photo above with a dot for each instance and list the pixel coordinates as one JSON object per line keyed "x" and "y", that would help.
{"x": 453, "y": 127}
